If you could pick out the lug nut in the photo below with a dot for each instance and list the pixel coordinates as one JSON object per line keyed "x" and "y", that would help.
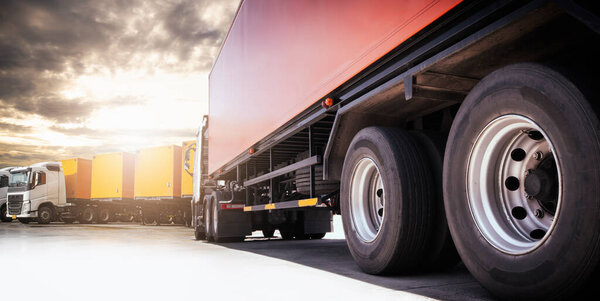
{"x": 539, "y": 213}
{"x": 538, "y": 155}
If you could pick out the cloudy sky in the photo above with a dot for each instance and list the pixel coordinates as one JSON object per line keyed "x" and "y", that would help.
{"x": 83, "y": 77}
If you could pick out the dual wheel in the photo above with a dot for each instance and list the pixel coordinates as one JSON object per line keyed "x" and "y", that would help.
{"x": 211, "y": 221}
{"x": 521, "y": 189}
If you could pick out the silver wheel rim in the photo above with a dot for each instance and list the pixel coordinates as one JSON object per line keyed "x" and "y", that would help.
{"x": 45, "y": 214}
{"x": 367, "y": 200}
{"x": 207, "y": 220}
{"x": 215, "y": 217}
{"x": 510, "y": 158}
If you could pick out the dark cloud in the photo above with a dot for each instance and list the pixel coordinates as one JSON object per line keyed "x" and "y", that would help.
{"x": 46, "y": 44}
{"x": 43, "y": 44}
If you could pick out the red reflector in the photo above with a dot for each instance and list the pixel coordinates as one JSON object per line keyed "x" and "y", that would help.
{"x": 232, "y": 206}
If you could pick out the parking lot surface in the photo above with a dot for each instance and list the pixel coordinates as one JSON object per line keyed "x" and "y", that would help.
{"x": 122, "y": 261}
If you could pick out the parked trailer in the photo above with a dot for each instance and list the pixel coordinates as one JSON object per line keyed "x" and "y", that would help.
{"x": 422, "y": 123}
{"x": 4, "y": 176}
{"x": 158, "y": 185}
{"x": 112, "y": 188}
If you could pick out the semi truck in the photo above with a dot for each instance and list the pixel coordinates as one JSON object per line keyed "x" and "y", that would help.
{"x": 158, "y": 185}
{"x": 4, "y": 177}
{"x": 439, "y": 130}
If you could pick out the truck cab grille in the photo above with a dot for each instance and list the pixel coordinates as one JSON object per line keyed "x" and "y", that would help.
{"x": 15, "y": 202}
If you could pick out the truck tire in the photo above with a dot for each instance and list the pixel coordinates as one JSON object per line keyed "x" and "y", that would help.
{"x": 88, "y": 215}
{"x": 68, "y": 220}
{"x": 317, "y": 235}
{"x": 441, "y": 253}
{"x": 45, "y": 215}
{"x": 3, "y": 217}
{"x": 521, "y": 174}
{"x": 386, "y": 200}
{"x": 199, "y": 234}
{"x": 208, "y": 219}
{"x": 268, "y": 230}
{"x": 103, "y": 215}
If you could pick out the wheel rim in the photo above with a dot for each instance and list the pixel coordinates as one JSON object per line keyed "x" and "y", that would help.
{"x": 207, "y": 221}
{"x": 514, "y": 184}
{"x": 215, "y": 218}
{"x": 367, "y": 199}
{"x": 45, "y": 215}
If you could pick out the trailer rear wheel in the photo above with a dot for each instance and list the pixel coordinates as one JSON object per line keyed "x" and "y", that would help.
{"x": 88, "y": 215}
{"x": 441, "y": 253}
{"x": 521, "y": 177}
{"x": 68, "y": 220}
{"x": 103, "y": 215}
{"x": 386, "y": 200}
{"x": 208, "y": 219}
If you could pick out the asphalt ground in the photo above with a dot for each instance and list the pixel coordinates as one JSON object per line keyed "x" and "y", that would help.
{"x": 134, "y": 262}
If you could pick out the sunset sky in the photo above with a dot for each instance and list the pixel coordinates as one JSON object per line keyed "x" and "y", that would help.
{"x": 79, "y": 78}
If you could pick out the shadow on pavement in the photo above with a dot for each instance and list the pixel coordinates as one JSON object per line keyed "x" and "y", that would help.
{"x": 332, "y": 255}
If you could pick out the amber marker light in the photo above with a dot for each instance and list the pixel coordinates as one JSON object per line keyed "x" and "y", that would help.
{"x": 327, "y": 102}
{"x": 251, "y": 151}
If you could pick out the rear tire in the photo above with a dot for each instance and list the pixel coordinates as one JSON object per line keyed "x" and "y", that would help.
{"x": 387, "y": 203}
{"x": 525, "y": 130}
{"x": 268, "y": 230}
{"x": 441, "y": 253}
{"x": 68, "y": 220}
{"x": 103, "y": 215}
{"x": 208, "y": 220}
{"x": 317, "y": 236}
{"x": 88, "y": 215}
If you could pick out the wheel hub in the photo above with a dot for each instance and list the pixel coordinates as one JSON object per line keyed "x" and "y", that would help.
{"x": 512, "y": 180}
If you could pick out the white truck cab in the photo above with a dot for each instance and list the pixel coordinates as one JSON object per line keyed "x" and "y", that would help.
{"x": 4, "y": 175}
{"x": 35, "y": 191}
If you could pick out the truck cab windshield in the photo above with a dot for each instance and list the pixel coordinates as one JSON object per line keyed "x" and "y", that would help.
{"x": 19, "y": 179}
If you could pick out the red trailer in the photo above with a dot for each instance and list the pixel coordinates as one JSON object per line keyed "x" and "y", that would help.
{"x": 425, "y": 124}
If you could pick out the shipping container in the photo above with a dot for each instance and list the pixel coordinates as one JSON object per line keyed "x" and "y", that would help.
{"x": 158, "y": 173}
{"x": 78, "y": 178}
{"x": 113, "y": 176}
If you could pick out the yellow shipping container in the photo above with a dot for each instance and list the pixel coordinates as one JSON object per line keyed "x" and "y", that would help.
{"x": 188, "y": 149}
{"x": 158, "y": 173}
{"x": 78, "y": 178}
{"x": 113, "y": 176}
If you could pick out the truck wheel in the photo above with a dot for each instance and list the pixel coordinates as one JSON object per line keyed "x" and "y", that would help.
{"x": 45, "y": 215}
{"x": 199, "y": 234}
{"x": 441, "y": 253}
{"x": 286, "y": 231}
{"x": 3, "y": 217}
{"x": 317, "y": 235}
{"x": 68, "y": 220}
{"x": 268, "y": 230}
{"x": 88, "y": 215}
{"x": 103, "y": 215}
{"x": 387, "y": 201}
{"x": 521, "y": 176}
{"x": 208, "y": 220}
